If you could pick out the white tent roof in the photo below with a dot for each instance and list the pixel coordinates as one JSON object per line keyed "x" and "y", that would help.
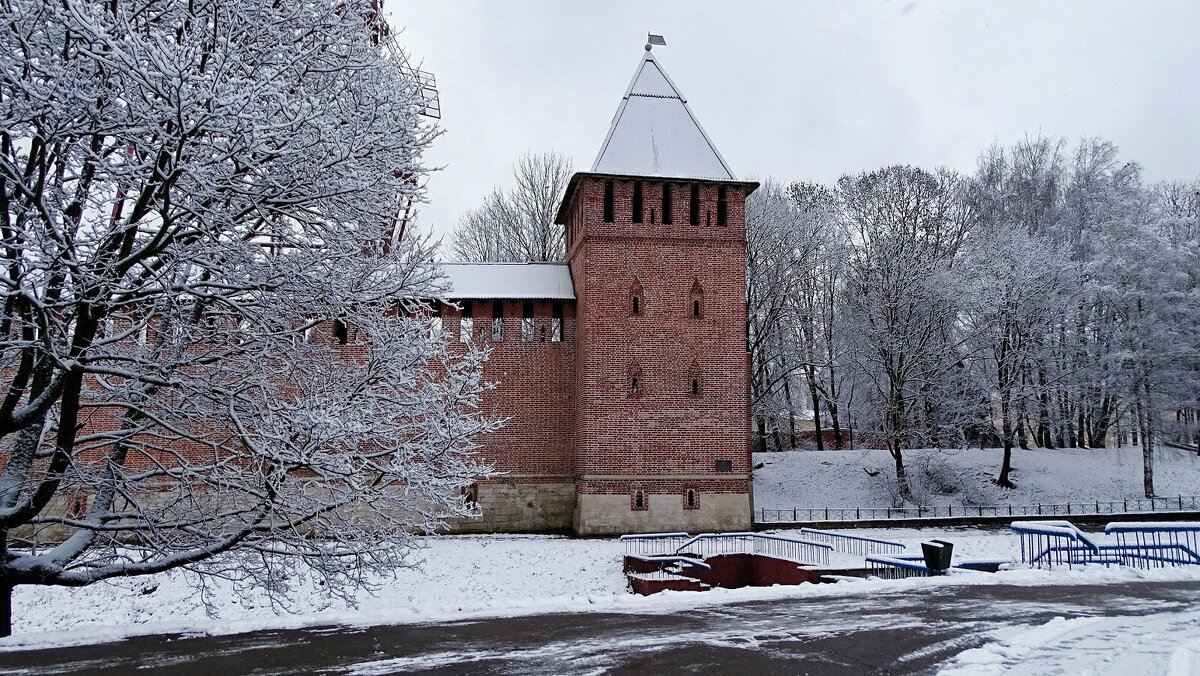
{"x": 509, "y": 280}
{"x": 654, "y": 133}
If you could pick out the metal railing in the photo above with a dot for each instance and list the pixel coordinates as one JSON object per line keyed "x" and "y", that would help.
{"x": 666, "y": 567}
{"x": 1179, "y": 503}
{"x": 895, "y": 567}
{"x": 778, "y": 546}
{"x": 654, "y": 543}
{"x": 1156, "y": 545}
{"x": 1048, "y": 544}
{"x": 853, "y": 544}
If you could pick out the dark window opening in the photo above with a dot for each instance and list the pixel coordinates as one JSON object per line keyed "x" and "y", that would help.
{"x": 723, "y": 465}
{"x": 636, "y": 308}
{"x": 639, "y": 500}
{"x": 608, "y": 201}
{"x": 466, "y": 322}
{"x": 556, "y": 326}
{"x": 721, "y": 210}
{"x": 527, "y": 322}
{"x": 634, "y": 387}
{"x": 651, "y": 215}
{"x": 695, "y": 204}
{"x": 708, "y": 217}
{"x": 341, "y": 332}
{"x": 637, "y": 201}
{"x": 695, "y": 386}
{"x": 497, "y": 321}
{"x": 691, "y": 498}
{"x": 666, "y": 204}
{"x": 695, "y": 308}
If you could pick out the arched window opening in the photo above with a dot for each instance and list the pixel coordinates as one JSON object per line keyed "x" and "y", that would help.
{"x": 635, "y": 298}
{"x": 694, "y": 381}
{"x": 637, "y": 305}
{"x": 695, "y": 308}
{"x": 341, "y": 332}
{"x": 639, "y": 499}
{"x": 690, "y": 500}
{"x": 637, "y": 383}
{"x": 696, "y": 295}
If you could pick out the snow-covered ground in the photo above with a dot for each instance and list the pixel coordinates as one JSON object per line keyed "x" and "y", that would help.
{"x": 866, "y": 478}
{"x": 475, "y": 576}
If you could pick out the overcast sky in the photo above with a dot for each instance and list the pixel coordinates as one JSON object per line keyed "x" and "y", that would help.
{"x": 806, "y": 90}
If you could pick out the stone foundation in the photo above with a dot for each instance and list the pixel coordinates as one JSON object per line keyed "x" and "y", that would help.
{"x": 612, "y": 515}
{"x": 513, "y": 507}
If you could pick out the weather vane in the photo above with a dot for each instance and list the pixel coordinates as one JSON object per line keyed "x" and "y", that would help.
{"x": 652, "y": 39}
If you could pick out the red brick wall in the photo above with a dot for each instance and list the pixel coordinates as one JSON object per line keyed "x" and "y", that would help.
{"x": 536, "y": 390}
{"x": 664, "y": 430}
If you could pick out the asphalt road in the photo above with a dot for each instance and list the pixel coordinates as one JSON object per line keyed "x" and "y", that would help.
{"x": 908, "y": 632}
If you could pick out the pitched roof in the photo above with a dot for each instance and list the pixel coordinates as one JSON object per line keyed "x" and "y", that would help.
{"x": 654, "y": 133}
{"x": 509, "y": 280}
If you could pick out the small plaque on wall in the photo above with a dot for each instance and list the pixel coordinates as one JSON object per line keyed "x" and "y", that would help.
{"x": 723, "y": 465}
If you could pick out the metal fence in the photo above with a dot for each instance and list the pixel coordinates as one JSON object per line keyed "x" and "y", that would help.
{"x": 853, "y": 544}
{"x": 1050, "y": 544}
{"x": 1180, "y": 503}
{"x": 778, "y": 546}
{"x": 655, "y": 543}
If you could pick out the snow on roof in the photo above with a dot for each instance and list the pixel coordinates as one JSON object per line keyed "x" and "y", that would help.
{"x": 509, "y": 280}
{"x": 654, "y": 133}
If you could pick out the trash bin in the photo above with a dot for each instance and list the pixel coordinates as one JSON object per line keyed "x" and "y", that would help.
{"x": 937, "y": 554}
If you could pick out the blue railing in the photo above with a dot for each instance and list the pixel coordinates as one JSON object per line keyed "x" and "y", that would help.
{"x": 653, "y": 543}
{"x": 853, "y": 544}
{"x": 793, "y": 549}
{"x": 1142, "y": 545}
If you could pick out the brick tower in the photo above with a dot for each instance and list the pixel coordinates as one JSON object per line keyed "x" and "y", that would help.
{"x": 656, "y": 243}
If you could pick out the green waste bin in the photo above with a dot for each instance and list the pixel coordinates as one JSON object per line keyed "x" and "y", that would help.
{"x": 937, "y": 554}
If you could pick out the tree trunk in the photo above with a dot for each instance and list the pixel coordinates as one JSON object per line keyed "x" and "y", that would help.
{"x": 762, "y": 434}
{"x": 1146, "y": 414}
{"x": 1006, "y": 466}
{"x": 901, "y": 477}
{"x": 1044, "y": 438}
{"x": 831, "y": 406}
{"x": 816, "y": 405}
{"x": 787, "y": 393}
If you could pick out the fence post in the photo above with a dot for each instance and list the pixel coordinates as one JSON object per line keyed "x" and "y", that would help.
{"x": 794, "y": 515}
{"x": 826, "y": 513}
{"x": 919, "y": 510}
{"x": 1039, "y": 509}
{"x": 1097, "y": 506}
{"x": 857, "y": 514}
{"x": 889, "y": 512}
{"x": 1010, "y": 509}
{"x": 1181, "y": 503}
{"x": 1125, "y": 504}
{"x": 949, "y": 510}
{"x": 1068, "y": 508}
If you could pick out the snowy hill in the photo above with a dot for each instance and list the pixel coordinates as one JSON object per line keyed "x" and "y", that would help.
{"x": 966, "y": 476}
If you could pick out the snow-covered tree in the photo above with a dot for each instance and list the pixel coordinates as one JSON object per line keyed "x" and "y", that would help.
{"x": 210, "y": 358}
{"x": 906, "y": 226}
{"x": 517, "y": 225}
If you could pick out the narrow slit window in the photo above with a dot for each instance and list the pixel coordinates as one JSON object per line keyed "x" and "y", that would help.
{"x": 556, "y": 325}
{"x": 466, "y": 323}
{"x": 636, "y": 305}
{"x": 637, "y": 202}
{"x": 527, "y": 322}
{"x": 635, "y": 386}
{"x": 666, "y": 204}
{"x": 695, "y": 308}
{"x": 695, "y": 205}
{"x": 695, "y": 386}
{"x": 721, "y": 209}
{"x": 608, "y": 201}
{"x": 497, "y": 321}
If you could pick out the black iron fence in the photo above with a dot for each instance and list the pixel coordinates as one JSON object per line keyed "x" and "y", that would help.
{"x": 1180, "y": 503}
